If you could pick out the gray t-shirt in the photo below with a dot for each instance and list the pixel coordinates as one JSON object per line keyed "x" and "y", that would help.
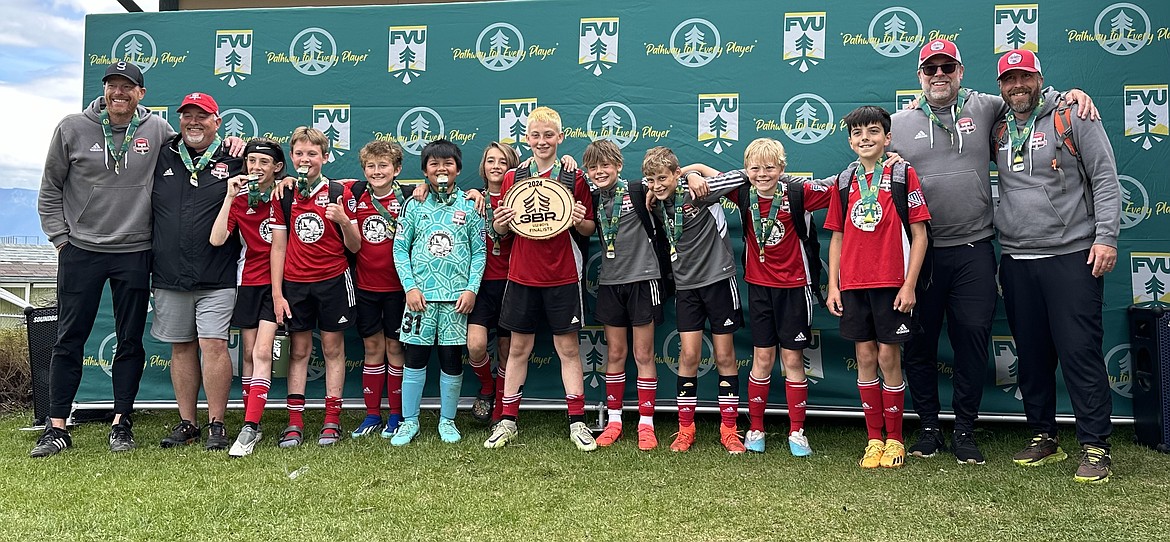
{"x": 634, "y": 259}
{"x": 704, "y": 252}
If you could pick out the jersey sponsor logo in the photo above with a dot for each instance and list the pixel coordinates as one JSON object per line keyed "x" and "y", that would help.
{"x": 1007, "y": 367}
{"x": 966, "y": 125}
{"x": 1147, "y": 114}
{"x": 309, "y": 227}
{"x": 265, "y": 229}
{"x": 220, "y": 171}
{"x": 498, "y": 47}
{"x": 375, "y": 229}
{"x": 141, "y": 145}
{"x": 240, "y": 123}
{"x": 351, "y": 204}
{"x": 1150, "y": 276}
{"x": 807, "y": 118}
{"x": 417, "y": 127}
{"x": 804, "y": 39}
{"x": 613, "y": 121}
{"x": 408, "y": 52}
{"x": 1121, "y": 29}
{"x": 597, "y": 50}
{"x": 514, "y": 121}
{"x": 894, "y": 32}
{"x": 440, "y": 244}
{"x": 718, "y": 124}
{"x": 1017, "y": 27}
{"x": 233, "y": 56}
{"x": 1119, "y": 366}
{"x": 333, "y": 121}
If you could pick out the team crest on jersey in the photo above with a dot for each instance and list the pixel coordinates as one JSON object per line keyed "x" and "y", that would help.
{"x": 627, "y": 205}
{"x": 459, "y": 218}
{"x": 408, "y": 52}
{"x": 440, "y": 244}
{"x": 1017, "y": 27}
{"x": 374, "y": 229}
{"x": 597, "y": 50}
{"x": 718, "y": 120}
{"x": 514, "y": 121}
{"x": 233, "y": 55}
{"x": 1007, "y": 365}
{"x": 266, "y": 229}
{"x": 804, "y": 39}
{"x": 220, "y": 171}
{"x": 239, "y": 123}
{"x": 859, "y": 219}
{"x": 141, "y": 145}
{"x": 1150, "y": 276}
{"x": 1147, "y": 114}
{"x": 322, "y": 199}
{"x": 417, "y": 127}
{"x": 1039, "y": 140}
{"x": 689, "y": 211}
{"x": 333, "y": 121}
{"x": 309, "y": 227}
{"x": 395, "y": 207}
{"x": 965, "y": 125}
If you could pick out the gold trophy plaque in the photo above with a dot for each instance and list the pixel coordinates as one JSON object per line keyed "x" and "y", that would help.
{"x": 544, "y": 207}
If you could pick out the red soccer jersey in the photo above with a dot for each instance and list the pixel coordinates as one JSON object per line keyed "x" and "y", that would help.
{"x": 497, "y": 264}
{"x": 254, "y": 224}
{"x": 879, "y": 258}
{"x": 315, "y": 250}
{"x": 375, "y": 261}
{"x": 548, "y": 262}
{"x": 785, "y": 262}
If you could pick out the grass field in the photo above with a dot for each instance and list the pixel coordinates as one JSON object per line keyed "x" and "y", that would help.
{"x": 543, "y": 489}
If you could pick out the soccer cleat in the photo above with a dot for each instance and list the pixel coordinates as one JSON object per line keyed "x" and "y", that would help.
{"x": 291, "y": 437}
{"x": 929, "y": 442}
{"x": 966, "y": 451}
{"x": 894, "y": 454}
{"x": 873, "y": 454}
{"x": 647, "y": 440}
{"x": 330, "y": 434}
{"x": 613, "y": 431}
{"x": 392, "y": 422}
{"x": 753, "y": 441}
{"x": 448, "y": 432}
{"x": 184, "y": 433}
{"x": 216, "y": 437}
{"x": 405, "y": 433}
{"x": 52, "y": 442}
{"x": 245, "y": 442}
{"x": 121, "y": 436}
{"x": 582, "y": 437}
{"x": 684, "y": 439}
{"x": 798, "y": 444}
{"x": 370, "y": 424}
{"x": 729, "y": 437}
{"x": 1095, "y": 465}
{"x": 481, "y": 409}
{"x": 503, "y": 433}
{"x": 1042, "y": 450}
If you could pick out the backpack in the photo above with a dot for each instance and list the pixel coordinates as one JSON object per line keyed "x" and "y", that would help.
{"x": 802, "y": 221}
{"x": 654, "y": 231}
{"x": 568, "y": 179}
{"x": 1062, "y": 125}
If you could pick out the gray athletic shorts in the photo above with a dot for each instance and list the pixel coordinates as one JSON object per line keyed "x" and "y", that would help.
{"x": 181, "y": 317}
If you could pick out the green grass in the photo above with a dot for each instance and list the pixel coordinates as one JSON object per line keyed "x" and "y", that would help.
{"x": 543, "y": 489}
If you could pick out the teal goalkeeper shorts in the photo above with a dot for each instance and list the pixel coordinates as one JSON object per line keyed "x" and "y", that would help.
{"x": 438, "y": 324}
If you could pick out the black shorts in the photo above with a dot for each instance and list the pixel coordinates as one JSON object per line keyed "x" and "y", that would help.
{"x": 379, "y": 312}
{"x": 253, "y": 304}
{"x": 780, "y": 316}
{"x": 717, "y": 303}
{"x": 628, "y": 305}
{"x": 488, "y": 304}
{"x": 526, "y": 306}
{"x": 869, "y": 315}
{"x": 327, "y": 305}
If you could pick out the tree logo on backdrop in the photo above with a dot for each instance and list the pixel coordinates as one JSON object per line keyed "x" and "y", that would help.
{"x": 1017, "y": 27}
{"x": 1119, "y": 365}
{"x": 1150, "y": 276}
{"x": 239, "y": 123}
{"x": 1007, "y": 365}
{"x": 804, "y": 39}
{"x": 672, "y": 346}
{"x": 499, "y": 46}
{"x": 333, "y": 121}
{"x": 695, "y": 42}
{"x": 1146, "y": 114}
{"x": 598, "y": 48}
{"x": 902, "y": 98}
{"x": 417, "y": 127}
{"x": 1122, "y": 29}
{"x": 895, "y": 31}
{"x": 408, "y": 52}
{"x": 312, "y": 51}
{"x": 136, "y": 47}
{"x": 594, "y": 354}
{"x": 233, "y": 55}
{"x": 1135, "y": 202}
{"x": 613, "y": 121}
{"x": 514, "y": 121}
{"x": 807, "y": 118}
{"x": 718, "y": 124}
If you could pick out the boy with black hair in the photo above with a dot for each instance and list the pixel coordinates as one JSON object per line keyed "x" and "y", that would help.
{"x": 875, "y": 256}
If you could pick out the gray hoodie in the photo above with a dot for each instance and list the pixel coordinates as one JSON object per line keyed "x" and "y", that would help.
{"x": 1042, "y": 214}
{"x": 82, "y": 201}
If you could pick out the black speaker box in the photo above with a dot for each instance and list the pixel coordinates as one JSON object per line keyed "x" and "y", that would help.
{"x": 1149, "y": 347}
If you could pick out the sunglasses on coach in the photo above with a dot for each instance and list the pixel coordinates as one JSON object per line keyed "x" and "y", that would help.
{"x": 931, "y": 69}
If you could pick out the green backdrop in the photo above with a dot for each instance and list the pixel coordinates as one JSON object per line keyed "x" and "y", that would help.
{"x": 703, "y": 78}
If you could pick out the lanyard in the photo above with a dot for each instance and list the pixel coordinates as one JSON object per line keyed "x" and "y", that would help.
{"x": 609, "y": 225}
{"x": 108, "y": 132}
{"x": 491, "y": 231}
{"x": 868, "y": 186}
{"x": 763, "y": 226}
{"x": 1018, "y": 137}
{"x": 555, "y": 174}
{"x": 391, "y": 220}
{"x": 203, "y": 160}
{"x": 674, "y": 234}
{"x": 256, "y": 194}
{"x": 304, "y": 187}
{"x": 955, "y": 110}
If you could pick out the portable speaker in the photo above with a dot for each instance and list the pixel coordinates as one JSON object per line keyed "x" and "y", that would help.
{"x": 1149, "y": 332}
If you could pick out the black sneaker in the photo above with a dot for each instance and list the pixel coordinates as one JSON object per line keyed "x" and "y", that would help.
{"x": 216, "y": 437}
{"x": 52, "y": 442}
{"x": 966, "y": 451}
{"x": 121, "y": 436}
{"x": 930, "y": 442}
{"x": 183, "y": 434}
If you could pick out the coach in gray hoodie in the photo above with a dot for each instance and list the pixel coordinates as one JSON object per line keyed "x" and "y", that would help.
{"x": 1058, "y": 220}
{"x": 95, "y": 207}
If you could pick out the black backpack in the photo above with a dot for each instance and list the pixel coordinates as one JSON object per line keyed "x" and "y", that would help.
{"x": 806, "y": 229}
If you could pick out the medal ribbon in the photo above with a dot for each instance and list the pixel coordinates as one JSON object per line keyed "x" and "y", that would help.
{"x": 491, "y": 217}
{"x": 955, "y": 110}
{"x": 303, "y": 186}
{"x": 203, "y": 160}
{"x": 534, "y": 171}
{"x": 675, "y": 233}
{"x": 763, "y": 226}
{"x": 391, "y": 221}
{"x": 869, "y": 188}
{"x": 256, "y": 195}
{"x": 108, "y": 132}
{"x": 609, "y": 225}
{"x": 1018, "y": 137}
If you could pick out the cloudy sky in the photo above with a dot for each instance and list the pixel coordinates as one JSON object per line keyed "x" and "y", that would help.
{"x": 40, "y": 77}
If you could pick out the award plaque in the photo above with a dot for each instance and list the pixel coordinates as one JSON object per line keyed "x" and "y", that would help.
{"x": 543, "y": 207}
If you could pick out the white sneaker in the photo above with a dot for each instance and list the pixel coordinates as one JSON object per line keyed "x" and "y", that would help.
{"x": 504, "y": 432}
{"x": 245, "y": 442}
{"x": 580, "y": 434}
{"x": 798, "y": 444}
{"x": 754, "y": 441}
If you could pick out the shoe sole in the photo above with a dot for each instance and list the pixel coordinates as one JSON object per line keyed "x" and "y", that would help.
{"x": 971, "y": 462}
{"x": 1084, "y": 480}
{"x": 1052, "y": 458}
{"x": 242, "y": 450}
{"x": 921, "y": 455}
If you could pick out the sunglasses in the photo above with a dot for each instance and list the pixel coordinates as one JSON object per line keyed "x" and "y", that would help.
{"x": 931, "y": 69}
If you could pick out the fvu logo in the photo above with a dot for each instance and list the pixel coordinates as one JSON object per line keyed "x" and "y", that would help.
{"x": 718, "y": 120}
{"x": 804, "y": 39}
{"x": 1017, "y": 27}
{"x": 1007, "y": 365}
{"x": 233, "y": 55}
{"x": 1150, "y": 275}
{"x": 902, "y": 98}
{"x": 514, "y": 121}
{"x": 408, "y": 52}
{"x": 1146, "y": 114}
{"x": 598, "y": 48}
{"x": 333, "y": 121}
{"x": 594, "y": 354}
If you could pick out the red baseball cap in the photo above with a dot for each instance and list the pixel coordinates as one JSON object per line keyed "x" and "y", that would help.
{"x": 202, "y": 101}
{"x": 939, "y": 47}
{"x": 1018, "y": 59}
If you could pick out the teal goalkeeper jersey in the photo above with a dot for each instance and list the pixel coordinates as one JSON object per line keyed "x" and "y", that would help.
{"x": 440, "y": 248}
